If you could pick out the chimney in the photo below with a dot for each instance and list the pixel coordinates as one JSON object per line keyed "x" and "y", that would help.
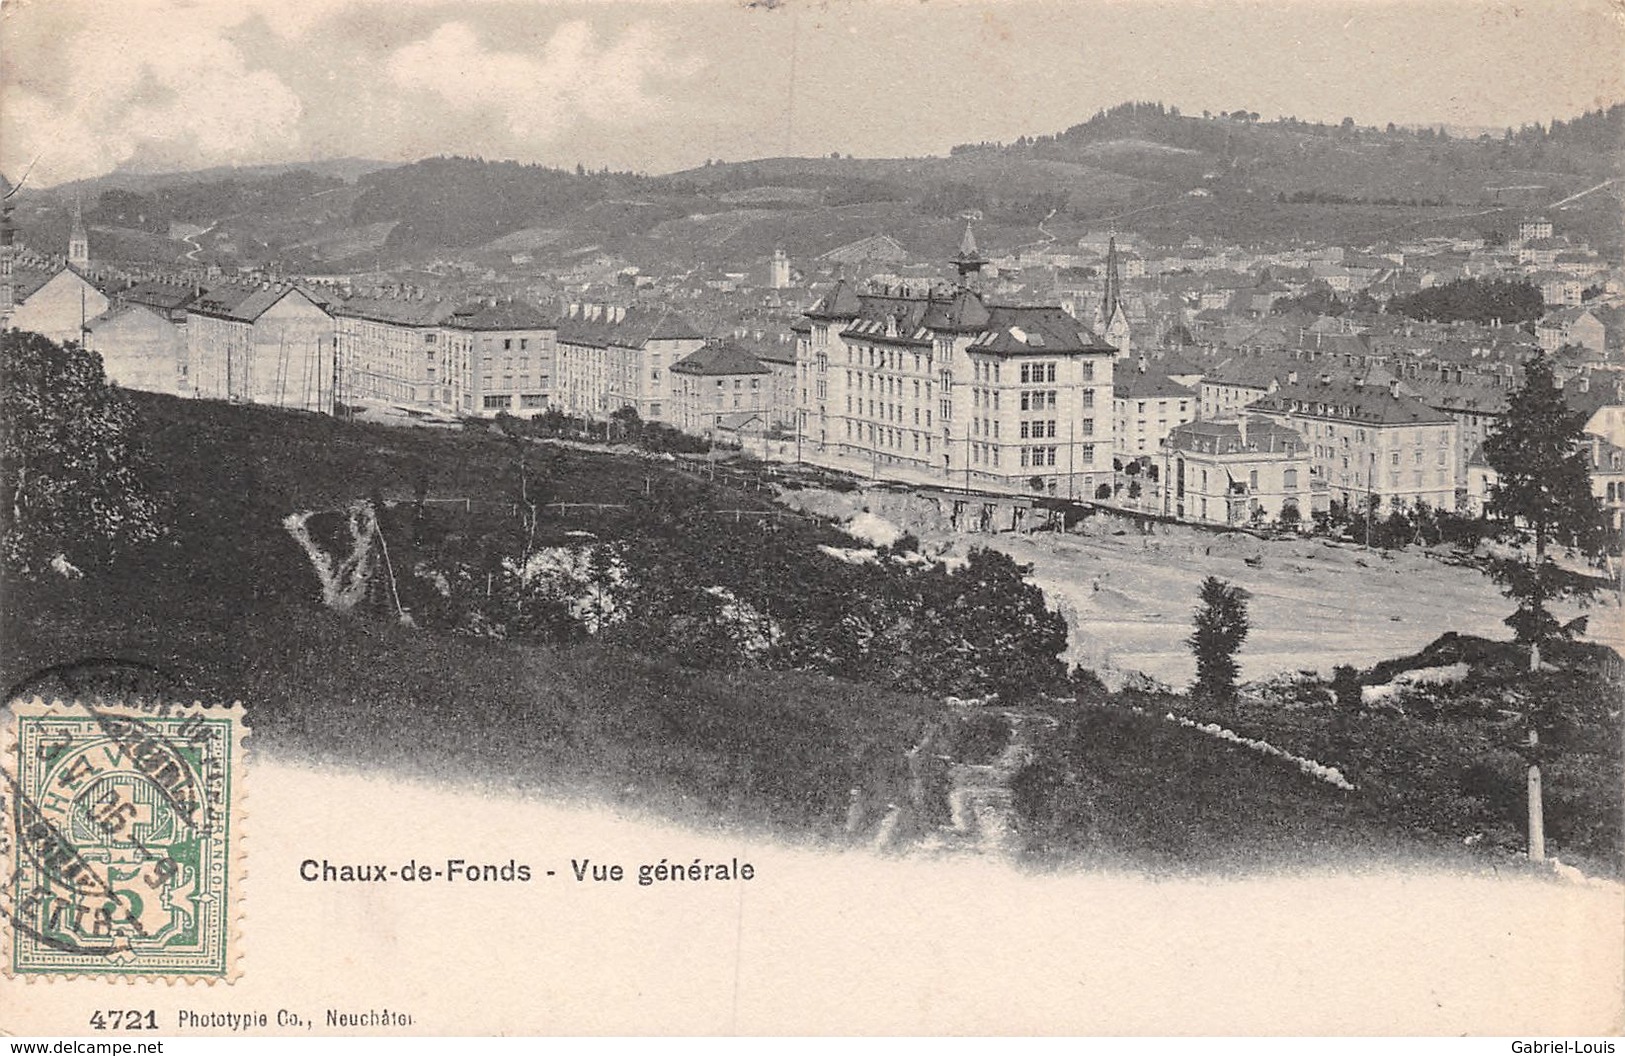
{"x": 1393, "y": 387}
{"x": 1291, "y": 377}
{"x": 1241, "y": 428}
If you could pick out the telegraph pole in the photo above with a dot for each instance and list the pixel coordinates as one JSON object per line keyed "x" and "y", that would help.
{"x": 1537, "y": 820}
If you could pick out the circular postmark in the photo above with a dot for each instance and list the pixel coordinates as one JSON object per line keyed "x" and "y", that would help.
{"x": 120, "y": 842}
{"x": 109, "y": 679}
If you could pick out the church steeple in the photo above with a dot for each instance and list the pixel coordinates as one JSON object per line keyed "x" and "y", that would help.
{"x": 78, "y": 239}
{"x": 1112, "y": 302}
{"x": 1113, "y": 319}
{"x": 969, "y": 260}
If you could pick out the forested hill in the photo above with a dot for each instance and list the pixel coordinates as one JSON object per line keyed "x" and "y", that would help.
{"x": 1141, "y": 167}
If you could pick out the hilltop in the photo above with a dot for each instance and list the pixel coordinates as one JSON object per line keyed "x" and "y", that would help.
{"x": 1139, "y": 166}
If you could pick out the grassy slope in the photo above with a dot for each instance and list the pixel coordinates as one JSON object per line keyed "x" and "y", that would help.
{"x": 226, "y": 608}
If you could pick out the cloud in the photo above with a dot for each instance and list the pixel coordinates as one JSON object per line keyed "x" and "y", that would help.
{"x": 125, "y": 90}
{"x": 573, "y": 77}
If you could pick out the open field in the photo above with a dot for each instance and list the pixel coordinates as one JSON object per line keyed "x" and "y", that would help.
{"x": 1128, "y": 598}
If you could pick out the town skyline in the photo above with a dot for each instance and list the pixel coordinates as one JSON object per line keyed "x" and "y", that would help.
{"x": 90, "y": 88}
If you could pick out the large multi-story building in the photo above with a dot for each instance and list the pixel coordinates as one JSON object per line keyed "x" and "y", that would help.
{"x": 1146, "y": 406}
{"x": 1370, "y": 441}
{"x": 498, "y": 356}
{"x": 1242, "y": 470}
{"x": 947, "y": 388}
{"x": 610, "y": 357}
{"x": 717, "y": 387}
{"x": 254, "y": 344}
{"x": 390, "y": 350}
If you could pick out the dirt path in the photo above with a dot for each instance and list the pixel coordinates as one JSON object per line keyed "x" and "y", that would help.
{"x": 981, "y": 807}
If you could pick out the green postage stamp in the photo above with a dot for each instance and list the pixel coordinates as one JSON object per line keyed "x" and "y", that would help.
{"x": 122, "y": 839}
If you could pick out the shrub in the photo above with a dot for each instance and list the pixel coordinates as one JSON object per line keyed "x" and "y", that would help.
{"x": 72, "y": 475}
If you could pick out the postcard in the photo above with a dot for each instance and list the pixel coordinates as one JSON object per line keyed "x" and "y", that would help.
{"x": 905, "y": 517}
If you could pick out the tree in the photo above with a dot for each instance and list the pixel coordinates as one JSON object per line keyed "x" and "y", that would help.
{"x": 1221, "y": 627}
{"x": 71, "y": 473}
{"x": 1543, "y": 484}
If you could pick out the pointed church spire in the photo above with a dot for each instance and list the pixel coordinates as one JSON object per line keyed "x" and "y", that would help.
{"x": 969, "y": 260}
{"x": 1113, "y": 319}
{"x": 1111, "y": 303}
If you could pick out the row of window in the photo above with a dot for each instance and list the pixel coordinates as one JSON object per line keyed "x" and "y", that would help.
{"x": 883, "y": 383}
{"x": 1395, "y": 478}
{"x": 881, "y": 436}
{"x": 1417, "y": 438}
{"x": 891, "y": 412}
{"x": 527, "y": 401}
{"x": 884, "y": 358}
{"x": 1162, "y": 407}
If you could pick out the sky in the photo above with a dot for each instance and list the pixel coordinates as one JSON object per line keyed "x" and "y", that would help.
{"x": 91, "y": 86}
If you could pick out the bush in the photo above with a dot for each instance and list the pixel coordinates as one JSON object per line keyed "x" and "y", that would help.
{"x": 72, "y": 476}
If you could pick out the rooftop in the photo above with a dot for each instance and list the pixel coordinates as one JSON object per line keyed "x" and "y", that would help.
{"x": 1348, "y": 400}
{"x": 1235, "y": 437}
{"x": 719, "y": 358}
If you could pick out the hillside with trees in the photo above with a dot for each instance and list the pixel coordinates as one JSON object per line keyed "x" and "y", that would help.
{"x": 1168, "y": 175}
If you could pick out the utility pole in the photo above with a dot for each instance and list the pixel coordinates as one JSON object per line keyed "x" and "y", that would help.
{"x": 1537, "y": 820}
{"x": 1370, "y": 492}
{"x": 1071, "y": 451}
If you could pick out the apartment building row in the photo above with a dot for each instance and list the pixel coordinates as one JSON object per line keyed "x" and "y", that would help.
{"x": 289, "y": 347}
{"x": 948, "y": 388}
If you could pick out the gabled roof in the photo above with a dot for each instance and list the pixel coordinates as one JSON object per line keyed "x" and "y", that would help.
{"x": 1605, "y": 456}
{"x": 395, "y": 310}
{"x": 1133, "y": 385}
{"x": 27, "y": 282}
{"x": 737, "y": 420}
{"x": 245, "y": 304}
{"x": 636, "y": 328}
{"x": 167, "y": 296}
{"x": 841, "y": 302}
{"x": 504, "y": 315}
{"x": 133, "y": 310}
{"x": 1347, "y": 400}
{"x": 719, "y": 358}
{"x": 1247, "y": 372}
{"x": 1474, "y": 395}
{"x": 1587, "y": 396}
{"x": 1035, "y": 331}
{"x": 642, "y": 325}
